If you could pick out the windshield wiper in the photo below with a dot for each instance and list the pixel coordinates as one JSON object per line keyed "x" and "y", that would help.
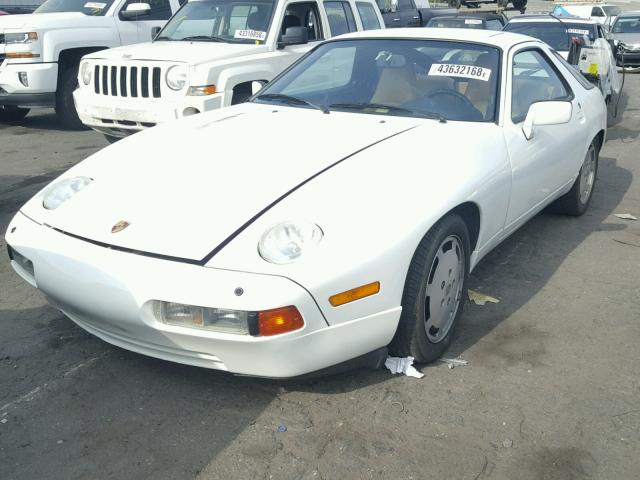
{"x": 290, "y": 99}
{"x": 389, "y": 108}
{"x": 163, "y": 38}
{"x": 204, "y": 38}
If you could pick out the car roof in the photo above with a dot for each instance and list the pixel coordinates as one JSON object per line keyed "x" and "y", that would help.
{"x": 633, "y": 13}
{"x": 500, "y": 39}
{"x": 551, "y": 18}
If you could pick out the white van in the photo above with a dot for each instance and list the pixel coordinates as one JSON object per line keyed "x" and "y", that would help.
{"x": 603, "y": 13}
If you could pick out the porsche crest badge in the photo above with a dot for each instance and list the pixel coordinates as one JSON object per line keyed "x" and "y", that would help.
{"x": 121, "y": 225}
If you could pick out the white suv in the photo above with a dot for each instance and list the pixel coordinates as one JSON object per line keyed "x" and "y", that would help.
{"x": 40, "y": 53}
{"x": 209, "y": 55}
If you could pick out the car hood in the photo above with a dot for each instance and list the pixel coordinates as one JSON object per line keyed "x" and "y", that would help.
{"x": 189, "y": 52}
{"x": 35, "y": 21}
{"x": 187, "y": 186}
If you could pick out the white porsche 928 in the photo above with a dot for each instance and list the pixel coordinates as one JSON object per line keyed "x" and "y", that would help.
{"x": 337, "y": 213}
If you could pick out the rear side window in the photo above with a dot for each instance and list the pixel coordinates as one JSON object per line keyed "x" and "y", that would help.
{"x": 597, "y": 12}
{"x": 534, "y": 80}
{"x": 340, "y": 17}
{"x": 494, "y": 25}
{"x": 368, "y": 16}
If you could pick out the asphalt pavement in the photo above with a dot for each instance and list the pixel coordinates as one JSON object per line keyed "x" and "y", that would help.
{"x": 551, "y": 390}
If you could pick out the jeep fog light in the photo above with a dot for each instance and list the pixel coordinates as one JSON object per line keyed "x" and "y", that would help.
{"x": 24, "y": 79}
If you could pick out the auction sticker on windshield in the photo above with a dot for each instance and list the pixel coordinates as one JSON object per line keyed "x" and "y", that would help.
{"x": 250, "y": 34}
{"x": 96, "y": 5}
{"x": 578, "y": 31}
{"x": 464, "y": 71}
{"x": 472, "y": 21}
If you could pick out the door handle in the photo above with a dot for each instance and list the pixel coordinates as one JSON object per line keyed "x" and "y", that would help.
{"x": 416, "y": 17}
{"x": 396, "y": 19}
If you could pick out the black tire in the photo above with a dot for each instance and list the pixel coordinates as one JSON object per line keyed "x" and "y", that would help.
{"x": 10, "y": 113}
{"x": 454, "y": 3}
{"x": 502, "y": 3}
{"x": 575, "y": 202}
{"x": 519, "y": 4}
{"x": 412, "y": 338}
{"x": 65, "y": 107}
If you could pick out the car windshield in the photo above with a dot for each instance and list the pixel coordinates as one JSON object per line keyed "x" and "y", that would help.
{"x": 627, "y": 25}
{"x": 554, "y": 34}
{"x": 450, "y": 22}
{"x": 232, "y": 21}
{"x": 87, "y": 7}
{"x": 445, "y": 80}
{"x": 612, "y": 11}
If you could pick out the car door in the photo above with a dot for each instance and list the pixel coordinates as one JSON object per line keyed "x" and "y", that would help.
{"x": 298, "y": 14}
{"x": 139, "y": 29}
{"x": 545, "y": 163}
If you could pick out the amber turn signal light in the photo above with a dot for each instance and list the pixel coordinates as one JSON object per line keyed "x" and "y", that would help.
{"x": 354, "y": 294}
{"x": 279, "y": 320}
{"x": 22, "y": 55}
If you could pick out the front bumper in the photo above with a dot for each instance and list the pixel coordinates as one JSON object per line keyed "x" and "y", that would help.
{"x": 121, "y": 116}
{"x": 40, "y": 90}
{"x": 108, "y": 293}
{"x": 631, "y": 59}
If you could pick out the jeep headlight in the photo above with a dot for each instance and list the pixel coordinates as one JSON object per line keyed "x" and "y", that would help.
{"x": 26, "y": 37}
{"x": 288, "y": 241}
{"x": 86, "y": 73}
{"x": 176, "y": 77}
{"x": 61, "y": 191}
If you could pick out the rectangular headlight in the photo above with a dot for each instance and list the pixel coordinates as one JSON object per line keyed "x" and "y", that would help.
{"x": 263, "y": 323}
{"x": 26, "y": 37}
{"x": 215, "y": 319}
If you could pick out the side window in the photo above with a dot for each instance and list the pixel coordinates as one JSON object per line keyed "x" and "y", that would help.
{"x": 160, "y": 9}
{"x": 494, "y": 25}
{"x": 340, "y": 18}
{"x": 404, "y": 5}
{"x": 368, "y": 16}
{"x": 303, "y": 14}
{"x": 597, "y": 12}
{"x": 534, "y": 80}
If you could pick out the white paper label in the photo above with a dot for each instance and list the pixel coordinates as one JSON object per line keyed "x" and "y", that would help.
{"x": 250, "y": 34}
{"x": 472, "y": 21}
{"x": 578, "y": 31}
{"x": 465, "y": 71}
{"x": 96, "y": 5}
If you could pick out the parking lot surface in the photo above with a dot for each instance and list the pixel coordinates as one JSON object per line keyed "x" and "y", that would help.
{"x": 551, "y": 390}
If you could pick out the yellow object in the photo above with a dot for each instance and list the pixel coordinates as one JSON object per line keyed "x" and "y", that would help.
{"x": 354, "y": 294}
{"x": 593, "y": 69}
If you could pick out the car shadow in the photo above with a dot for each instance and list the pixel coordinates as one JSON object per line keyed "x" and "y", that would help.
{"x": 40, "y": 119}
{"x": 519, "y": 268}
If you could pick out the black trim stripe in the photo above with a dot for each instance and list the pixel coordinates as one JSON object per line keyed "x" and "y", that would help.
{"x": 225, "y": 242}
{"x": 126, "y": 250}
{"x": 230, "y": 238}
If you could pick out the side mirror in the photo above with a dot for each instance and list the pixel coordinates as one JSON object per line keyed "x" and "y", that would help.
{"x": 546, "y": 113}
{"x": 256, "y": 86}
{"x": 294, "y": 36}
{"x": 135, "y": 10}
{"x": 155, "y": 31}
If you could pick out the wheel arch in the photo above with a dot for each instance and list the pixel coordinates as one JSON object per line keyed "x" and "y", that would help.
{"x": 599, "y": 139}
{"x": 470, "y": 213}
{"x": 72, "y": 56}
